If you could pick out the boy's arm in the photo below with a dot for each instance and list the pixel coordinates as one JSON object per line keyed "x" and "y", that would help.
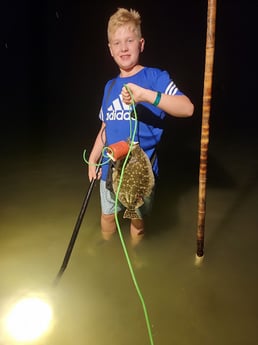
{"x": 174, "y": 105}
{"x": 96, "y": 153}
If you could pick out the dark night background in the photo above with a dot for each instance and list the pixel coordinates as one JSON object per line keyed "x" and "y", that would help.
{"x": 55, "y": 62}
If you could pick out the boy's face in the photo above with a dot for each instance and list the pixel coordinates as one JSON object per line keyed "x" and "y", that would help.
{"x": 125, "y": 46}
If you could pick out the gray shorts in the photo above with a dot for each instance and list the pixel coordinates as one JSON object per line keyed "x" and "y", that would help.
{"x": 107, "y": 200}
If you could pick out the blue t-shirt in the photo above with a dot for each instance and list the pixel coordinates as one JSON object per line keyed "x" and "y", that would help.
{"x": 120, "y": 120}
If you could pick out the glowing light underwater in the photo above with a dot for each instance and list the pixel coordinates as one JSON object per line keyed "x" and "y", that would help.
{"x": 28, "y": 319}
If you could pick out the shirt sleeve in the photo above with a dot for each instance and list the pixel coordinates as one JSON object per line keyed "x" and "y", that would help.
{"x": 164, "y": 83}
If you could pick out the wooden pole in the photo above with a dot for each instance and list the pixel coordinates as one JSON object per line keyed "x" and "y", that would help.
{"x": 207, "y": 95}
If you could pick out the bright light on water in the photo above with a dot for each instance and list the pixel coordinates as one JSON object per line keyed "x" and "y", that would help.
{"x": 28, "y": 319}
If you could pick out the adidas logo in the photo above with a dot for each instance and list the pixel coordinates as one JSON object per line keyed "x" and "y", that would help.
{"x": 118, "y": 110}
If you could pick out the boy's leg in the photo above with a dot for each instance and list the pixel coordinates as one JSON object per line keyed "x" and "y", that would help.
{"x": 136, "y": 230}
{"x": 108, "y": 225}
{"x": 137, "y": 225}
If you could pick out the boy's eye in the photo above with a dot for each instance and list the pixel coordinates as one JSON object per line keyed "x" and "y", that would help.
{"x": 118, "y": 43}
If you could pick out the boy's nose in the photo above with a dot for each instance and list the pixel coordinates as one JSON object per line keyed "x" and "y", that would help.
{"x": 124, "y": 47}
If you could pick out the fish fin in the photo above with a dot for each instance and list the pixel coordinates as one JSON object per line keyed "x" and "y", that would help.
{"x": 131, "y": 214}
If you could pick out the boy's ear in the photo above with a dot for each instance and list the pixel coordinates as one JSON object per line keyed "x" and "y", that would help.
{"x": 110, "y": 49}
{"x": 142, "y": 43}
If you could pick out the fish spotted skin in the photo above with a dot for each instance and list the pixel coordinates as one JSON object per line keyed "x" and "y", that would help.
{"x": 137, "y": 181}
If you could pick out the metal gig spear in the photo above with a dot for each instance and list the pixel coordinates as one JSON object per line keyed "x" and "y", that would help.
{"x": 207, "y": 95}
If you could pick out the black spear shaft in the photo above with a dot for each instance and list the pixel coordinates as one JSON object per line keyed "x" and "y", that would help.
{"x": 76, "y": 229}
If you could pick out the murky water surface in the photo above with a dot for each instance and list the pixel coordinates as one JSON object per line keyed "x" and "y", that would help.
{"x": 96, "y": 300}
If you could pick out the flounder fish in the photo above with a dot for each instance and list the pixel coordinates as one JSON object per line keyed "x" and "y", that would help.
{"x": 137, "y": 181}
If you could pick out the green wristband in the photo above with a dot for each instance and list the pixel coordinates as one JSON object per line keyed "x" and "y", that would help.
{"x": 157, "y": 100}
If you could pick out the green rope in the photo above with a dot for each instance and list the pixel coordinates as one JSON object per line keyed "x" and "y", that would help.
{"x": 103, "y": 154}
{"x": 132, "y": 136}
{"x": 119, "y": 229}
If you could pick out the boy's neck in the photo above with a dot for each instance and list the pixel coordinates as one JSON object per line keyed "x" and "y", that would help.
{"x": 132, "y": 71}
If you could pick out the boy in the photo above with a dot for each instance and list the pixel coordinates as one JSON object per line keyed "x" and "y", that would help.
{"x": 150, "y": 88}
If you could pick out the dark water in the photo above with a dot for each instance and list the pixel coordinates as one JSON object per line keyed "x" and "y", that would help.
{"x": 95, "y": 301}
{"x": 51, "y": 90}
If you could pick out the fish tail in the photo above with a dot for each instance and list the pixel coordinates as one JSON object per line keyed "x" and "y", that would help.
{"x": 131, "y": 214}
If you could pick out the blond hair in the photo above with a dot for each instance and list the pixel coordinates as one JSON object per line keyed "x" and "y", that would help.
{"x": 123, "y": 17}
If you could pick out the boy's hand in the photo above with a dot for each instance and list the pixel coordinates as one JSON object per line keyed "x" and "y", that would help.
{"x": 92, "y": 172}
{"x": 131, "y": 93}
